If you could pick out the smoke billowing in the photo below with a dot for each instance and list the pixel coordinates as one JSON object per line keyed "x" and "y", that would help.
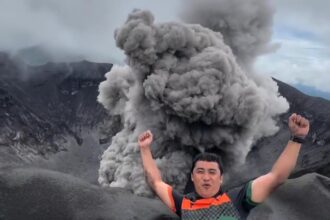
{"x": 245, "y": 25}
{"x": 183, "y": 82}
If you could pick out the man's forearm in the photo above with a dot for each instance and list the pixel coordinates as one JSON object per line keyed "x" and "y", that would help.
{"x": 264, "y": 185}
{"x": 287, "y": 161}
{"x": 150, "y": 168}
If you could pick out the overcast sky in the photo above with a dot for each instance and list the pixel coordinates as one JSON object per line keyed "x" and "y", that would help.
{"x": 302, "y": 28}
{"x": 83, "y": 29}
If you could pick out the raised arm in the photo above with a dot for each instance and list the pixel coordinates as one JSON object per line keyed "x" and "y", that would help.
{"x": 151, "y": 170}
{"x": 284, "y": 165}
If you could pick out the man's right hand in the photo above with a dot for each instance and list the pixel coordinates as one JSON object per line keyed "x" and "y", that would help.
{"x": 145, "y": 139}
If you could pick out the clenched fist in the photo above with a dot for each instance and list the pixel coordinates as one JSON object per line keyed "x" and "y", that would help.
{"x": 298, "y": 125}
{"x": 145, "y": 139}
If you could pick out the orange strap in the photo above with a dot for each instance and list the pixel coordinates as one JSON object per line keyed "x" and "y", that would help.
{"x": 204, "y": 203}
{"x": 170, "y": 195}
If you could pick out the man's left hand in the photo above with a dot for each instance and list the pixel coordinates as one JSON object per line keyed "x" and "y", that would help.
{"x": 299, "y": 126}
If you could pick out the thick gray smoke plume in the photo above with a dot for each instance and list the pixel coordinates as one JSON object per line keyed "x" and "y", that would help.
{"x": 184, "y": 84}
{"x": 246, "y": 25}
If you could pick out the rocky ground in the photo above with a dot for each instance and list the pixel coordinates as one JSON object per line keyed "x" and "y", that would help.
{"x": 30, "y": 194}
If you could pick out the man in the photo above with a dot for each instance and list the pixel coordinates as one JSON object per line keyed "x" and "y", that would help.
{"x": 208, "y": 201}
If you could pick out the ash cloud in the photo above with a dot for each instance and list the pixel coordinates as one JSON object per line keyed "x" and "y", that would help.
{"x": 183, "y": 82}
{"x": 245, "y": 25}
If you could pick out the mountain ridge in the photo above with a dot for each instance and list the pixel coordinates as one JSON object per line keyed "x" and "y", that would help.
{"x": 53, "y": 104}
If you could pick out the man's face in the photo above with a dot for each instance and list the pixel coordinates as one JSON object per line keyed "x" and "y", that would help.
{"x": 207, "y": 178}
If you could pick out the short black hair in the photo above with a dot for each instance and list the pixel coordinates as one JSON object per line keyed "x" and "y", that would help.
{"x": 210, "y": 157}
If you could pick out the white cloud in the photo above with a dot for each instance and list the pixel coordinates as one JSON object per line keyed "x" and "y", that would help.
{"x": 301, "y": 27}
{"x": 299, "y": 61}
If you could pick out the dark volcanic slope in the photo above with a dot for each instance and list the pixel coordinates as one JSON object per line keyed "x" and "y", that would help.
{"x": 315, "y": 154}
{"x": 47, "y": 109}
{"x": 50, "y": 108}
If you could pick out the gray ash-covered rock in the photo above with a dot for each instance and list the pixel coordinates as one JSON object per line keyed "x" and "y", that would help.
{"x": 52, "y": 108}
{"x": 30, "y": 194}
{"x": 302, "y": 198}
